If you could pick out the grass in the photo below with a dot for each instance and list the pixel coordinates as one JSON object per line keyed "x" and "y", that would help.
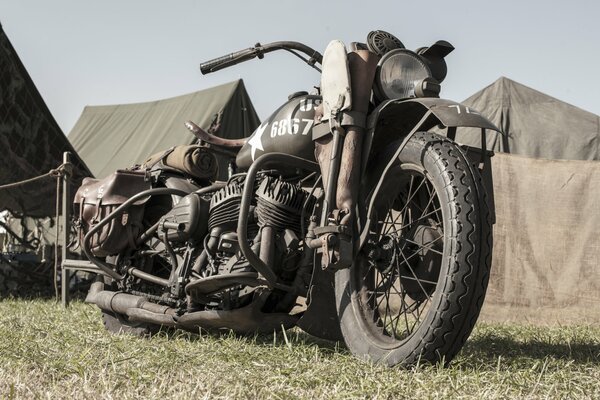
{"x": 47, "y": 352}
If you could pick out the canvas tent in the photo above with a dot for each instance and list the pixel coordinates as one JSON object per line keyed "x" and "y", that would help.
{"x": 119, "y": 136}
{"x": 32, "y": 143}
{"x": 546, "y": 184}
{"x": 534, "y": 124}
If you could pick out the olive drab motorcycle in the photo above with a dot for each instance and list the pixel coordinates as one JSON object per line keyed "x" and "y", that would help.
{"x": 342, "y": 215}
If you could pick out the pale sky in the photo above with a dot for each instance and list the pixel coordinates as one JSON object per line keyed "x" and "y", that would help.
{"x": 83, "y": 52}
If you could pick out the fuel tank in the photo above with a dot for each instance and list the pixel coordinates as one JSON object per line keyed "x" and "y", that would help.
{"x": 288, "y": 130}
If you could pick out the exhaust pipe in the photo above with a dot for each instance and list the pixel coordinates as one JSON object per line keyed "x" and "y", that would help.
{"x": 141, "y": 315}
{"x": 242, "y": 320}
{"x": 245, "y": 320}
{"x": 135, "y": 307}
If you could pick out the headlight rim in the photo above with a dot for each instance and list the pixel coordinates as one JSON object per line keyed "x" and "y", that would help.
{"x": 379, "y": 91}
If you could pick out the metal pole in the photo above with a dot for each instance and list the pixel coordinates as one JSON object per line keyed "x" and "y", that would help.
{"x": 64, "y": 222}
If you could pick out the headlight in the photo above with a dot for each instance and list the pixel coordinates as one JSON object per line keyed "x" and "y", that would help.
{"x": 399, "y": 73}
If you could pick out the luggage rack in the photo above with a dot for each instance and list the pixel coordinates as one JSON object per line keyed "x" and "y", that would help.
{"x": 68, "y": 265}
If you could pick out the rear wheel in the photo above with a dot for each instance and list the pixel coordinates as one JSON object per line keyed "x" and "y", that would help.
{"x": 415, "y": 290}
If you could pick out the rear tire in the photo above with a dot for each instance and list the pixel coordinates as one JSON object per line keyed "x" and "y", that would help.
{"x": 118, "y": 324}
{"x": 414, "y": 293}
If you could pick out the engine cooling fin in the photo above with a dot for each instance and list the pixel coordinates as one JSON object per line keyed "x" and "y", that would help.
{"x": 225, "y": 206}
{"x": 279, "y": 204}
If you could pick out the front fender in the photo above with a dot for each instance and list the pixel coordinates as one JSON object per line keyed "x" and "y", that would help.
{"x": 394, "y": 119}
{"x": 450, "y": 113}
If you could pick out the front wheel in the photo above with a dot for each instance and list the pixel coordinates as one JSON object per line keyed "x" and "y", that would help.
{"x": 416, "y": 288}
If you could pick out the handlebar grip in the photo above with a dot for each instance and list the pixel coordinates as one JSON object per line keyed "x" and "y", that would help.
{"x": 228, "y": 60}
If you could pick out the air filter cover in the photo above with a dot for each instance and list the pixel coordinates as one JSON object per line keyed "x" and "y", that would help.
{"x": 382, "y": 42}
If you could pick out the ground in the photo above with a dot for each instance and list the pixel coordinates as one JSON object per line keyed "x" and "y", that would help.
{"x": 50, "y": 352}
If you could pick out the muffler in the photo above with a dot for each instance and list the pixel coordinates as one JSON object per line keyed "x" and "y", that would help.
{"x": 243, "y": 321}
{"x": 136, "y": 308}
{"x": 142, "y": 315}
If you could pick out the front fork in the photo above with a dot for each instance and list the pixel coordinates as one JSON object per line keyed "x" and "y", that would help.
{"x": 339, "y": 157}
{"x": 334, "y": 233}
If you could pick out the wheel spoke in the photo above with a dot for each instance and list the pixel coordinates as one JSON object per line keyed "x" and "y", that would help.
{"x": 401, "y": 313}
{"x": 394, "y": 222}
{"x": 410, "y": 278}
{"x": 421, "y": 218}
{"x": 406, "y": 259}
{"x": 433, "y": 196}
{"x": 411, "y": 195}
{"x": 427, "y": 245}
{"x": 430, "y": 201}
{"x": 409, "y": 309}
{"x": 413, "y": 274}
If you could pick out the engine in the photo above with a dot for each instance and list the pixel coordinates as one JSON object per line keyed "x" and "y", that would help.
{"x": 213, "y": 222}
{"x": 277, "y": 204}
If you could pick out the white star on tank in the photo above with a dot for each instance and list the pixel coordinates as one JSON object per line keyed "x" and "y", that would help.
{"x": 255, "y": 141}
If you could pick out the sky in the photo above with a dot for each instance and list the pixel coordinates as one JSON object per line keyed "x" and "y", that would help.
{"x": 83, "y": 52}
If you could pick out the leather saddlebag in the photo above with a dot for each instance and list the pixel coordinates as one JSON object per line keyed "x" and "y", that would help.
{"x": 97, "y": 198}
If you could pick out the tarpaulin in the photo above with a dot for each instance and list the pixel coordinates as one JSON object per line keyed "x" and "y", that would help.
{"x": 546, "y": 259}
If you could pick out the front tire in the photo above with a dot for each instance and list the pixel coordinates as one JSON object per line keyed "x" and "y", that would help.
{"x": 416, "y": 288}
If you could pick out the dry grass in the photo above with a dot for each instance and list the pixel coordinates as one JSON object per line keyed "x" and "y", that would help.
{"x": 47, "y": 352}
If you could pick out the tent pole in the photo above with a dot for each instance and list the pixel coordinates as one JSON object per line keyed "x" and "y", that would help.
{"x": 64, "y": 221}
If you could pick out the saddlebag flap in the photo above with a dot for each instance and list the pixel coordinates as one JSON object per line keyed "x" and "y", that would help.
{"x": 197, "y": 161}
{"x": 97, "y": 198}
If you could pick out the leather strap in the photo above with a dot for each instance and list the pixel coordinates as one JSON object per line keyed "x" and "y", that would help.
{"x": 354, "y": 118}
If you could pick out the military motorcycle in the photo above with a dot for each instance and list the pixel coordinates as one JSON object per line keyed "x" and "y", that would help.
{"x": 343, "y": 214}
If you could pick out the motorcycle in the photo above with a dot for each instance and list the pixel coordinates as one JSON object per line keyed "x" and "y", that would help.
{"x": 342, "y": 215}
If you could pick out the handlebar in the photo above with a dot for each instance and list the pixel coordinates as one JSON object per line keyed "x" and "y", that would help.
{"x": 259, "y": 51}
{"x": 228, "y": 60}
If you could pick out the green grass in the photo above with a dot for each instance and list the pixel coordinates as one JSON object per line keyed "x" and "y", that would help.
{"x": 48, "y": 352}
